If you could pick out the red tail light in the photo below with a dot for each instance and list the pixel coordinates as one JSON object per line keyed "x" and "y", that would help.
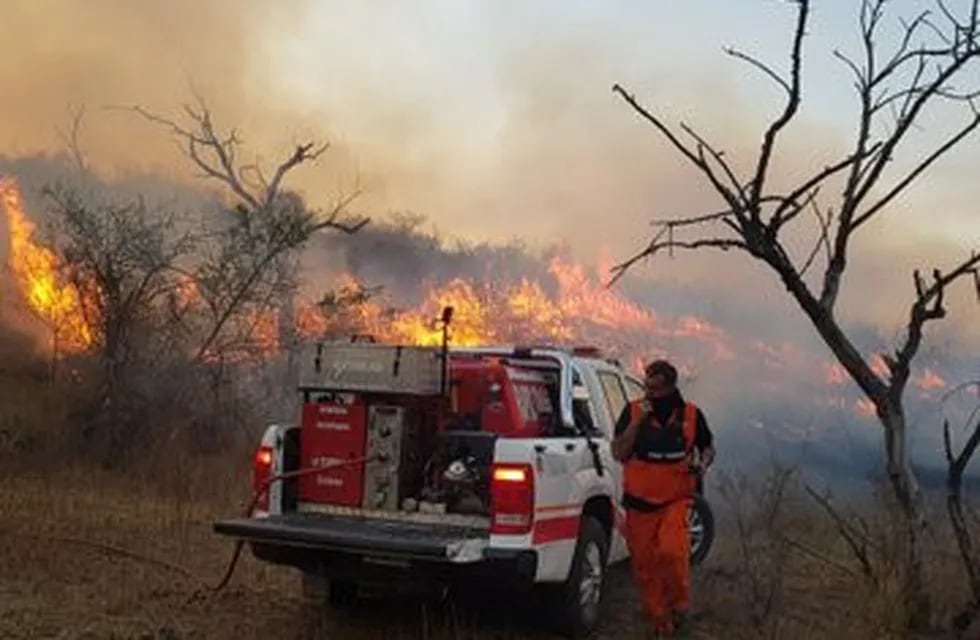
{"x": 512, "y": 495}
{"x": 261, "y": 472}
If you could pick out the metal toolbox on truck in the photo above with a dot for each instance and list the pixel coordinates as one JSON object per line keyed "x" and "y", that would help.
{"x": 371, "y": 367}
{"x": 332, "y": 433}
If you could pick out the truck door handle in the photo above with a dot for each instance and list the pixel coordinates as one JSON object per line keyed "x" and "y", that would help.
{"x": 570, "y": 446}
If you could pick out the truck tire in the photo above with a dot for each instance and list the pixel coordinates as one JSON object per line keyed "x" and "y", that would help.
{"x": 342, "y": 593}
{"x": 576, "y": 603}
{"x": 319, "y": 591}
{"x": 701, "y": 521}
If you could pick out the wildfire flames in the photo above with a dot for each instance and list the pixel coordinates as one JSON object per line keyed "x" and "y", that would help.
{"x": 524, "y": 311}
{"x": 35, "y": 269}
{"x": 573, "y": 307}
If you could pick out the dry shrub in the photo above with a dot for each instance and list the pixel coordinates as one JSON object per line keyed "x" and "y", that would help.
{"x": 186, "y": 433}
{"x": 793, "y": 565}
{"x": 758, "y": 511}
{"x": 873, "y": 537}
{"x": 35, "y": 412}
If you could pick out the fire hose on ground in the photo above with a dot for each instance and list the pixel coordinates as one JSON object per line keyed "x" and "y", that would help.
{"x": 204, "y": 586}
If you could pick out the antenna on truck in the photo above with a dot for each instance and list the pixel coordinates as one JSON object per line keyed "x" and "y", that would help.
{"x": 447, "y": 316}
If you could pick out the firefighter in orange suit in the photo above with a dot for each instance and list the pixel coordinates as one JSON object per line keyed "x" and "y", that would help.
{"x": 664, "y": 443}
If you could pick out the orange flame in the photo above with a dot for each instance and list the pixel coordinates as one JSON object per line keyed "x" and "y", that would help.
{"x": 35, "y": 268}
{"x": 879, "y": 366}
{"x": 836, "y": 375}
{"x": 929, "y": 380}
{"x": 581, "y": 309}
{"x": 865, "y": 407}
{"x": 581, "y": 297}
{"x": 186, "y": 292}
{"x": 263, "y": 332}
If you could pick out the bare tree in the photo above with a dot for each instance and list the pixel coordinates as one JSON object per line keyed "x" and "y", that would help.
{"x": 956, "y": 466}
{"x": 268, "y": 222}
{"x": 932, "y": 54}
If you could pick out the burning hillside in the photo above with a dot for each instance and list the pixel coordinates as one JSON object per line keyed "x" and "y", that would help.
{"x": 575, "y": 308}
{"x": 562, "y": 303}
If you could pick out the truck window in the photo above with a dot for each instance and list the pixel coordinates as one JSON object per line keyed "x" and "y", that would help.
{"x": 634, "y": 389}
{"x": 612, "y": 388}
{"x": 582, "y": 410}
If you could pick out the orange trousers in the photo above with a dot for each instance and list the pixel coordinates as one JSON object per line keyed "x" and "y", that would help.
{"x": 660, "y": 549}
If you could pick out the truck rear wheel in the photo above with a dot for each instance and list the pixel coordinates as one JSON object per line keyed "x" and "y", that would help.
{"x": 577, "y": 602}
{"x": 701, "y": 521}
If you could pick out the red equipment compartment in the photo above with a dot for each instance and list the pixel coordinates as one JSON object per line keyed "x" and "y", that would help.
{"x": 504, "y": 399}
{"x": 333, "y": 432}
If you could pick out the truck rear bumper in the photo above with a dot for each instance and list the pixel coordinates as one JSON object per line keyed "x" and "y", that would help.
{"x": 362, "y": 536}
{"x": 375, "y": 550}
{"x": 383, "y": 552}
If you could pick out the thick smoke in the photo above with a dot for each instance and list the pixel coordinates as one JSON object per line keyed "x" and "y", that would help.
{"x": 498, "y": 141}
{"x": 775, "y": 395}
{"x": 516, "y": 136}
{"x": 772, "y": 395}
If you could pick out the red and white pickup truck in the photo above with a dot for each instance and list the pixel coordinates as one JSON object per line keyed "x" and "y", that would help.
{"x": 417, "y": 465}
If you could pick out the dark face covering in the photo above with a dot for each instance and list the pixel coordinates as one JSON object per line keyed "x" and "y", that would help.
{"x": 657, "y": 386}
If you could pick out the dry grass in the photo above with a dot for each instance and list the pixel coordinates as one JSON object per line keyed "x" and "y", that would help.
{"x": 49, "y": 588}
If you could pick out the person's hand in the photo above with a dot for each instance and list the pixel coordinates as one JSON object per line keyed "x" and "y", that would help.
{"x": 707, "y": 457}
{"x": 646, "y": 410}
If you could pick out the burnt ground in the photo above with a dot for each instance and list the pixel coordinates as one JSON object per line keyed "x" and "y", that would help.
{"x": 55, "y": 581}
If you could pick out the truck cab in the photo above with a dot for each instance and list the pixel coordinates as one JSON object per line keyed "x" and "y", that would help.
{"x": 415, "y": 465}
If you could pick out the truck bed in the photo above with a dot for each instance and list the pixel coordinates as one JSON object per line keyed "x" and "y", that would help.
{"x": 358, "y": 535}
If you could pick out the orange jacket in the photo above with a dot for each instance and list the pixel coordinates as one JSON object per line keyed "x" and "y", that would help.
{"x": 664, "y": 476}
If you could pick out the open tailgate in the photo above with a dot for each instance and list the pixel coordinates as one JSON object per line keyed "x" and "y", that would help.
{"x": 368, "y": 536}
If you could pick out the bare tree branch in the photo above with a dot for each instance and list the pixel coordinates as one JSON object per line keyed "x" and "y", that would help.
{"x": 761, "y": 66}
{"x": 792, "y": 105}
{"x": 790, "y": 207}
{"x": 332, "y": 219}
{"x": 817, "y": 555}
{"x": 71, "y": 138}
{"x": 950, "y": 61}
{"x": 928, "y": 306}
{"x": 822, "y": 241}
{"x": 203, "y": 139}
{"x": 656, "y": 246}
{"x": 303, "y": 153}
{"x": 922, "y": 98}
{"x": 858, "y": 542}
{"x": 692, "y": 155}
{"x": 214, "y": 155}
{"x": 918, "y": 171}
{"x": 719, "y": 158}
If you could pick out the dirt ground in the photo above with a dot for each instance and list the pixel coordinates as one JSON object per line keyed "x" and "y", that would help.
{"x": 55, "y": 584}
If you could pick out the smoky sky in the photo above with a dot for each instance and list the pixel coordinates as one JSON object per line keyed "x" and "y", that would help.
{"x": 504, "y": 135}
{"x": 515, "y": 137}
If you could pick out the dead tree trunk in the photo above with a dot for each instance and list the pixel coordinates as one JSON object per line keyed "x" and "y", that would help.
{"x": 956, "y": 466}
